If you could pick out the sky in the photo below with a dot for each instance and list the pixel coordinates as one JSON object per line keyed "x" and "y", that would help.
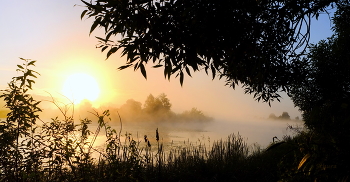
{"x": 52, "y": 33}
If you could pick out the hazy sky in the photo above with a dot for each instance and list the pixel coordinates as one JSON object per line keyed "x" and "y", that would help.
{"x": 51, "y": 32}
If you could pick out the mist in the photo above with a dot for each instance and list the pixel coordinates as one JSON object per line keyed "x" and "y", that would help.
{"x": 175, "y": 128}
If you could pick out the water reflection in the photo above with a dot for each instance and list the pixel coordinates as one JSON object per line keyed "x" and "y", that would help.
{"x": 261, "y": 132}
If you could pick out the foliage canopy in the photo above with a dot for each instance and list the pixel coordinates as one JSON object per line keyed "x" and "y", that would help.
{"x": 246, "y": 41}
{"x": 323, "y": 96}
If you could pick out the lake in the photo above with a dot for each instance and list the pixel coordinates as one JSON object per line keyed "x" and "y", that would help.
{"x": 177, "y": 134}
{"x": 173, "y": 134}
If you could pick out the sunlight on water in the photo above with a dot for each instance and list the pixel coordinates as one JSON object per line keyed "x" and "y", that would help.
{"x": 176, "y": 136}
{"x": 173, "y": 135}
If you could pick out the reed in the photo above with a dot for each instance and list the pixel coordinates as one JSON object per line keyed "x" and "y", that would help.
{"x": 64, "y": 152}
{"x": 63, "y": 149}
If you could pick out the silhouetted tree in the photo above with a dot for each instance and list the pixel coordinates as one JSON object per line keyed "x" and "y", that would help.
{"x": 324, "y": 99}
{"x": 324, "y": 95}
{"x": 156, "y": 109}
{"x": 131, "y": 111}
{"x": 150, "y": 104}
{"x": 165, "y": 102}
{"x": 131, "y": 106}
{"x": 284, "y": 115}
{"x": 244, "y": 41}
{"x": 194, "y": 115}
{"x": 160, "y": 104}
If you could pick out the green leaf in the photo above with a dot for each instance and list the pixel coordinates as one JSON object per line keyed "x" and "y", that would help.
{"x": 125, "y": 66}
{"x": 99, "y": 38}
{"x": 105, "y": 47}
{"x": 20, "y": 66}
{"x": 29, "y": 143}
{"x": 95, "y": 24}
{"x": 167, "y": 69}
{"x": 303, "y": 160}
{"x": 213, "y": 71}
{"x": 157, "y": 66}
{"x": 109, "y": 35}
{"x": 111, "y": 51}
{"x": 206, "y": 69}
{"x": 136, "y": 66}
{"x": 181, "y": 78}
{"x": 83, "y": 14}
{"x": 188, "y": 71}
{"x": 31, "y": 63}
{"x": 143, "y": 70}
{"x": 96, "y": 8}
{"x": 31, "y": 74}
{"x": 176, "y": 69}
{"x": 30, "y": 81}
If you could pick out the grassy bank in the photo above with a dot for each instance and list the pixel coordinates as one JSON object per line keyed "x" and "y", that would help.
{"x": 62, "y": 151}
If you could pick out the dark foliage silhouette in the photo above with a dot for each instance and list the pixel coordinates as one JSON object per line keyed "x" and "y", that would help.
{"x": 157, "y": 109}
{"x": 323, "y": 98}
{"x": 245, "y": 41}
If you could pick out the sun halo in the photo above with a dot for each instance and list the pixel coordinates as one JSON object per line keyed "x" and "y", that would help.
{"x": 80, "y": 86}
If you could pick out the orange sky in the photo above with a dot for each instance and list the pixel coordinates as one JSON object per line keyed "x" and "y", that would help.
{"x": 52, "y": 33}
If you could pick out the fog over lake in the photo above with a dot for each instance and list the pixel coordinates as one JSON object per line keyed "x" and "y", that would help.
{"x": 252, "y": 131}
{"x": 190, "y": 127}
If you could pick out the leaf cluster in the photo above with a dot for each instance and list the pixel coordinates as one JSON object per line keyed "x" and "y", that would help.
{"x": 58, "y": 150}
{"x": 323, "y": 95}
{"x": 323, "y": 98}
{"x": 249, "y": 42}
{"x": 21, "y": 104}
{"x": 157, "y": 109}
{"x": 19, "y": 123}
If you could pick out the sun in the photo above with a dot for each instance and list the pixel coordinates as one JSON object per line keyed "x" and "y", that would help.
{"x": 80, "y": 86}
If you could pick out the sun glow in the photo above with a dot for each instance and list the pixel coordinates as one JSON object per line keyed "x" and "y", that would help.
{"x": 80, "y": 86}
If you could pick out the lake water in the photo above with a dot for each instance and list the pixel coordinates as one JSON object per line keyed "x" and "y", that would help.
{"x": 258, "y": 131}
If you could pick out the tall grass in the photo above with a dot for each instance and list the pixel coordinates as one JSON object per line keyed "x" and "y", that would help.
{"x": 63, "y": 149}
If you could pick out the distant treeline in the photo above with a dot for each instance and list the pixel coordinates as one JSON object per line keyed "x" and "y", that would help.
{"x": 157, "y": 109}
{"x": 283, "y": 116}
